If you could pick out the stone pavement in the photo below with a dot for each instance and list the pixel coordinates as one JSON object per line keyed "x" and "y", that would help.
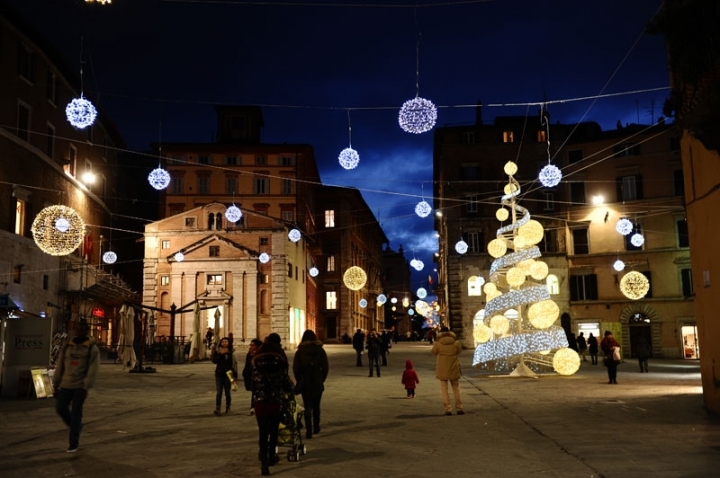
{"x": 161, "y": 425}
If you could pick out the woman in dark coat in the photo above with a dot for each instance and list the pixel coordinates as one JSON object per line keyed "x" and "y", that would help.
{"x": 224, "y": 360}
{"x": 310, "y": 368}
{"x": 593, "y": 348}
{"x": 270, "y": 380}
{"x": 608, "y": 345}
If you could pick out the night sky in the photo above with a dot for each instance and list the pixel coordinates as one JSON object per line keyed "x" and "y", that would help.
{"x": 157, "y": 68}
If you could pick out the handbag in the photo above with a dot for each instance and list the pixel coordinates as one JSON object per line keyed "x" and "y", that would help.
{"x": 616, "y": 354}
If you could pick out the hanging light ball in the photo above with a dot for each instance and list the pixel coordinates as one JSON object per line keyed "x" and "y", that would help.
{"x": 349, "y": 158}
{"x": 49, "y": 238}
{"x": 421, "y": 293}
{"x": 500, "y": 324}
{"x": 637, "y": 240}
{"x": 80, "y": 113}
{"x": 179, "y": 256}
{"x": 566, "y": 361}
{"x": 515, "y": 277}
{"x": 624, "y": 226}
{"x": 532, "y": 231}
{"x": 543, "y": 314}
{"x": 393, "y": 300}
{"x": 394, "y": 308}
{"x": 417, "y": 115}
{"x": 510, "y": 168}
{"x": 354, "y": 278}
{"x": 418, "y": 265}
{"x": 502, "y": 214}
{"x": 109, "y": 257}
{"x": 406, "y": 302}
{"x": 233, "y": 213}
{"x": 411, "y": 312}
{"x": 482, "y": 333}
{"x": 539, "y": 270}
{"x": 634, "y": 285}
{"x": 159, "y": 178}
{"x": 550, "y": 176}
{"x": 421, "y": 307}
{"x": 363, "y": 303}
{"x": 423, "y": 209}
{"x": 497, "y": 248}
{"x": 382, "y": 298}
{"x": 461, "y": 246}
{"x": 294, "y": 235}
{"x": 314, "y": 272}
{"x": 619, "y": 265}
{"x": 479, "y": 281}
{"x": 264, "y": 258}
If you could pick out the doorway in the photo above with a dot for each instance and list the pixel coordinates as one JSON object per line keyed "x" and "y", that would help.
{"x": 690, "y": 345}
{"x": 640, "y": 331}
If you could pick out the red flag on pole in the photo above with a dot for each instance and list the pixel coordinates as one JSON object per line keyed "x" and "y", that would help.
{"x": 430, "y": 280}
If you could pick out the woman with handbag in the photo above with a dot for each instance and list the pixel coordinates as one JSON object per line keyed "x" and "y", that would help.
{"x": 310, "y": 368}
{"x": 225, "y": 368}
{"x": 608, "y": 346}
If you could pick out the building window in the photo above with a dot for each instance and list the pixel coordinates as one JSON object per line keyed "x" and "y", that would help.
{"x": 575, "y": 155}
{"x": 231, "y": 160}
{"x": 26, "y": 62}
{"x": 166, "y": 244}
{"x": 287, "y": 216}
{"x": 17, "y": 274}
{"x": 264, "y": 241}
{"x": 679, "y": 183}
{"x": 190, "y": 222}
{"x": 230, "y": 185}
{"x": 20, "y": 209}
{"x": 687, "y": 283}
{"x": 331, "y": 263}
{"x": 549, "y": 203}
{"x": 174, "y": 209}
{"x": 475, "y": 286}
{"x": 583, "y": 287}
{"x": 468, "y": 137}
{"x": 260, "y": 160}
{"x": 473, "y": 240}
{"x": 629, "y": 188}
{"x": 470, "y": 172}
{"x": 203, "y": 184}
{"x": 508, "y": 137}
{"x": 331, "y": 299}
{"x": 204, "y": 159}
{"x": 214, "y": 251}
{"x": 264, "y": 278}
{"x": 261, "y": 185}
{"x": 577, "y": 193}
{"x": 548, "y": 242}
{"x": 290, "y": 270}
{"x": 214, "y": 279}
{"x": 286, "y": 161}
{"x": 177, "y": 185}
{"x": 164, "y": 280}
{"x": 682, "y": 233}
{"x": 51, "y": 88}
{"x": 627, "y": 149}
{"x": 23, "y": 122}
{"x": 629, "y": 246}
{"x": 541, "y": 136}
{"x": 553, "y": 284}
{"x": 264, "y": 302}
{"x": 287, "y": 186}
{"x": 329, "y": 218}
{"x": 46, "y": 282}
{"x": 580, "y": 241}
{"x": 472, "y": 204}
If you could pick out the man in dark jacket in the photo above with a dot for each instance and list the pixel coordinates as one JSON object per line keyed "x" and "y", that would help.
{"x": 310, "y": 368}
{"x": 359, "y": 345}
{"x": 77, "y": 368}
{"x": 373, "y": 347}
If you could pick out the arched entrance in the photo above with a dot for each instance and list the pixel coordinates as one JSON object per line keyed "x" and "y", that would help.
{"x": 640, "y": 331}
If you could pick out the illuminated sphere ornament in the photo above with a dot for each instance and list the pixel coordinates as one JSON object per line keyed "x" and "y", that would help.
{"x": 233, "y": 213}
{"x": 539, "y": 270}
{"x": 363, "y": 303}
{"x": 50, "y": 239}
{"x": 423, "y": 209}
{"x": 179, "y": 256}
{"x": 417, "y": 115}
{"x": 62, "y": 224}
{"x": 382, "y": 299}
{"x": 421, "y": 293}
{"x": 510, "y": 188}
{"x": 418, "y": 265}
{"x": 624, "y": 226}
{"x": 159, "y": 178}
{"x": 80, "y": 113}
{"x": 393, "y": 300}
{"x": 264, "y": 258}
{"x": 637, "y": 240}
{"x": 510, "y": 168}
{"x": 543, "y": 314}
{"x": 482, "y": 333}
{"x": 515, "y": 277}
{"x": 634, "y": 285}
{"x": 294, "y": 235}
{"x": 566, "y": 361}
{"x": 532, "y": 231}
{"x": 354, "y": 278}
{"x": 502, "y": 214}
{"x": 109, "y": 257}
{"x": 619, "y": 265}
{"x": 349, "y": 158}
{"x": 490, "y": 288}
{"x": 314, "y": 272}
{"x": 550, "y": 176}
{"x": 461, "y": 247}
{"x": 411, "y": 312}
{"x": 497, "y": 248}
{"x": 500, "y": 324}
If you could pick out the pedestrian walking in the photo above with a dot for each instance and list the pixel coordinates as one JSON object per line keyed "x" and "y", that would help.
{"x": 593, "y": 348}
{"x": 225, "y": 373}
{"x": 582, "y": 346}
{"x": 611, "y": 351}
{"x": 209, "y": 336}
{"x": 310, "y": 368}
{"x": 409, "y": 379}
{"x": 572, "y": 342}
{"x": 384, "y": 346}
{"x": 643, "y": 349}
{"x": 77, "y": 369}
{"x": 373, "y": 347}
{"x": 358, "y": 341}
{"x": 447, "y": 368}
{"x": 270, "y": 381}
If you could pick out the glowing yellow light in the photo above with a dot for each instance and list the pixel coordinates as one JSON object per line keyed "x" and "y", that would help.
{"x": 566, "y": 361}
{"x": 519, "y": 242}
{"x": 532, "y": 232}
{"x": 543, "y": 314}
{"x": 510, "y": 188}
{"x": 489, "y": 288}
{"x": 510, "y": 168}
{"x": 502, "y": 214}
{"x": 525, "y": 265}
{"x": 544, "y": 352}
{"x": 58, "y": 230}
{"x": 539, "y": 270}
{"x": 634, "y": 285}
{"x": 500, "y": 324}
{"x": 354, "y": 278}
{"x": 497, "y": 248}
{"x": 406, "y": 302}
{"x": 515, "y": 277}
{"x": 482, "y": 333}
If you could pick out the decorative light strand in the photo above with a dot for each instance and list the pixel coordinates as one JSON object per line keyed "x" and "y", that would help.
{"x": 349, "y": 158}
{"x": 58, "y": 239}
{"x": 529, "y": 341}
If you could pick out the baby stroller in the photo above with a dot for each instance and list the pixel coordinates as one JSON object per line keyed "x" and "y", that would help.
{"x": 289, "y": 433}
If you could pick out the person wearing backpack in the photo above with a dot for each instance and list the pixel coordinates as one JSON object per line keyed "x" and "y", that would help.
{"x": 77, "y": 368}
{"x": 310, "y": 368}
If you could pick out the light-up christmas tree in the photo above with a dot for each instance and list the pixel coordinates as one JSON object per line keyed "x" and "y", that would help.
{"x": 518, "y": 328}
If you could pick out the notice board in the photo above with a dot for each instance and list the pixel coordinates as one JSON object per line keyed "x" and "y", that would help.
{"x": 41, "y": 382}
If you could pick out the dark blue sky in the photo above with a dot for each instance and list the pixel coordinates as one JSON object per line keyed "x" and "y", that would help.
{"x": 152, "y": 61}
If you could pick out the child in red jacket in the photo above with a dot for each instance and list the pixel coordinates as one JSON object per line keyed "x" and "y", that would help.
{"x": 409, "y": 379}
